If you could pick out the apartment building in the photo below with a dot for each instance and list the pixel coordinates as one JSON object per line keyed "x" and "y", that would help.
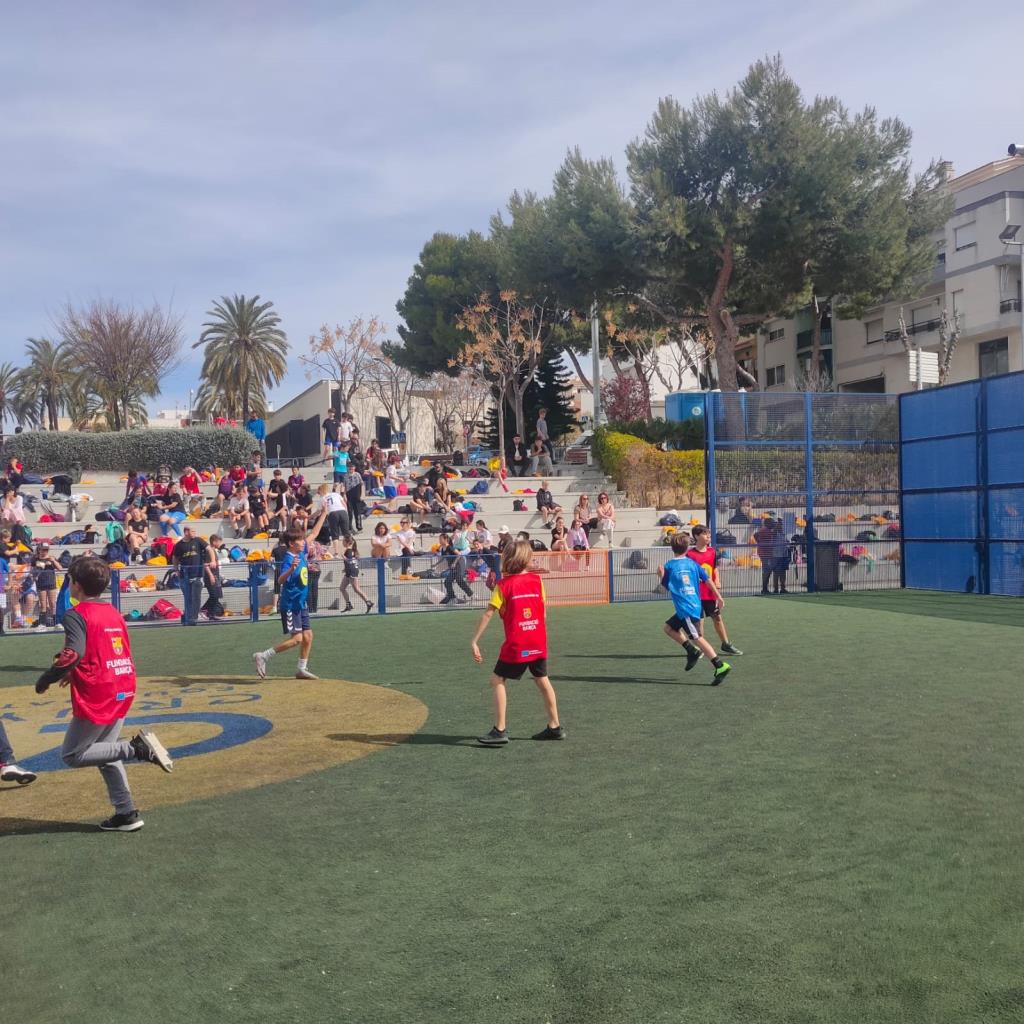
{"x": 977, "y": 275}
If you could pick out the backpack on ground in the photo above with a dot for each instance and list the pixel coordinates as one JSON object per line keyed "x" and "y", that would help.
{"x": 670, "y": 519}
{"x": 725, "y": 537}
{"x": 74, "y": 537}
{"x": 163, "y": 546}
{"x": 116, "y": 551}
{"x": 866, "y": 535}
{"x": 237, "y": 554}
{"x": 114, "y": 532}
{"x": 480, "y": 487}
{"x": 636, "y": 560}
{"x": 171, "y": 580}
{"x": 163, "y": 609}
{"x": 518, "y": 505}
{"x": 538, "y": 545}
{"x": 65, "y": 559}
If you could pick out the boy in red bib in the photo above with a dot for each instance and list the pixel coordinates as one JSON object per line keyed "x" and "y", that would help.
{"x": 703, "y": 554}
{"x": 97, "y": 662}
{"x": 518, "y": 598}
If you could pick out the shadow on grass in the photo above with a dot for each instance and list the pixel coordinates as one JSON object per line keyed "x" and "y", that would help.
{"x": 32, "y": 827}
{"x": 386, "y": 739}
{"x": 559, "y": 678}
{"x": 619, "y": 657}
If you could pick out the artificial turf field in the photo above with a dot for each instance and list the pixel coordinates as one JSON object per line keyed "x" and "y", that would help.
{"x": 833, "y": 835}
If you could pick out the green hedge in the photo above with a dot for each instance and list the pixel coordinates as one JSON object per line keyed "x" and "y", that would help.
{"x": 684, "y": 435}
{"x": 44, "y": 451}
{"x": 647, "y": 475}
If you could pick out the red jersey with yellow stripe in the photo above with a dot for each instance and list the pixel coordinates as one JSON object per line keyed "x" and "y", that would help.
{"x": 103, "y": 681}
{"x": 519, "y": 600}
{"x": 707, "y": 558}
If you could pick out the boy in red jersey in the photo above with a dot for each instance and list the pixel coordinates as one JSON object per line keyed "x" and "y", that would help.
{"x": 97, "y": 661}
{"x": 518, "y": 598}
{"x": 703, "y": 554}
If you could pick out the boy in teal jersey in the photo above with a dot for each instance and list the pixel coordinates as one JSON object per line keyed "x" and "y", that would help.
{"x": 682, "y": 577}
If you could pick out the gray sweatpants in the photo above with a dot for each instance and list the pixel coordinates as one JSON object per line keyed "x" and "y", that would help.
{"x": 87, "y": 745}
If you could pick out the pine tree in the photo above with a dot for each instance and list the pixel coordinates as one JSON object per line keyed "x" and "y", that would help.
{"x": 553, "y": 391}
{"x": 550, "y": 389}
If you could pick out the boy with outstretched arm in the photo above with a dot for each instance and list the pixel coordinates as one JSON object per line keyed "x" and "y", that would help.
{"x": 518, "y": 598}
{"x": 682, "y": 577}
{"x": 293, "y": 577}
{"x": 704, "y": 554}
{"x": 96, "y": 661}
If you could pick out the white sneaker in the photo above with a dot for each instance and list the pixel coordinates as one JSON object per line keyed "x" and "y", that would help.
{"x": 12, "y": 773}
{"x": 304, "y": 673}
{"x": 261, "y": 664}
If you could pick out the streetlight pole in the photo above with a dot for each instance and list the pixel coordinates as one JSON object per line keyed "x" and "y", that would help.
{"x": 595, "y": 351}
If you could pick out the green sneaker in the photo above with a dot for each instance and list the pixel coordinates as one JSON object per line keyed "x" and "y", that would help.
{"x": 720, "y": 673}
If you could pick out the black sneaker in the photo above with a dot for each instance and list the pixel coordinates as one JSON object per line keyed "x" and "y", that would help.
{"x": 130, "y": 822}
{"x": 148, "y": 748}
{"x": 721, "y": 672}
{"x": 692, "y": 657}
{"x": 730, "y": 649}
{"x": 547, "y": 733}
{"x": 495, "y": 738}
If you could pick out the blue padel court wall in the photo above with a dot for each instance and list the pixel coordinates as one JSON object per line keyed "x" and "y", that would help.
{"x": 962, "y": 476}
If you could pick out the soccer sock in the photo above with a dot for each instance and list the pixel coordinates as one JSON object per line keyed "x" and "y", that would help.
{"x": 717, "y": 662}
{"x": 269, "y": 652}
{"x": 303, "y": 662}
{"x": 689, "y": 648}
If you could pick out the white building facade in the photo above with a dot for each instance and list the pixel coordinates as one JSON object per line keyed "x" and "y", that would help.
{"x": 977, "y": 275}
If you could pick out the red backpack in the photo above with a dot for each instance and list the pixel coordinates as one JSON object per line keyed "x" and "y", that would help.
{"x": 163, "y": 546}
{"x": 163, "y": 609}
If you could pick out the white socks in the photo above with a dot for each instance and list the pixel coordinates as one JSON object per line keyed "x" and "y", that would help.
{"x": 303, "y": 662}
{"x": 269, "y": 652}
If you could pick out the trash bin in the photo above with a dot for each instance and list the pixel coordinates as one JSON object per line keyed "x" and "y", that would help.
{"x": 826, "y": 565}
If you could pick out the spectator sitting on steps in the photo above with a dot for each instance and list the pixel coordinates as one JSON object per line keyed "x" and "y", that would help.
{"x": 546, "y": 505}
{"x": 518, "y": 457}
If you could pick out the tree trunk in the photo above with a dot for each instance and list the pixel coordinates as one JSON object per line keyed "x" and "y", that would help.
{"x": 723, "y": 331}
{"x": 518, "y": 409}
{"x": 579, "y": 369}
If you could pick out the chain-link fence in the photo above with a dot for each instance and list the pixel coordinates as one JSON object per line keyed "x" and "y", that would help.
{"x": 803, "y": 491}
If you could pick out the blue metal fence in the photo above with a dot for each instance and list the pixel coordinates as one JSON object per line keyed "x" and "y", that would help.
{"x": 962, "y": 461}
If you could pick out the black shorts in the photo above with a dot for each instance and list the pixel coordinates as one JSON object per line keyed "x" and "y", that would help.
{"x": 515, "y": 669}
{"x": 709, "y": 607}
{"x": 687, "y": 626}
{"x": 295, "y": 622}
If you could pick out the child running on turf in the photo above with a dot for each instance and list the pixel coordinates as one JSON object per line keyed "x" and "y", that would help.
{"x": 681, "y": 577}
{"x": 518, "y": 598}
{"x": 351, "y": 577}
{"x": 97, "y": 662}
{"x": 704, "y": 554}
{"x": 293, "y": 576}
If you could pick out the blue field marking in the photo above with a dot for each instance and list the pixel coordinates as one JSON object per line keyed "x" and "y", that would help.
{"x": 235, "y": 730}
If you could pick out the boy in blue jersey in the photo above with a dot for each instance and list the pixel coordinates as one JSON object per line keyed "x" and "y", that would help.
{"x": 293, "y": 576}
{"x": 682, "y": 577}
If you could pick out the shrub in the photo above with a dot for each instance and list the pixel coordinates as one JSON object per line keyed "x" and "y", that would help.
{"x": 685, "y": 435}
{"x": 45, "y": 452}
{"x": 647, "y": 475}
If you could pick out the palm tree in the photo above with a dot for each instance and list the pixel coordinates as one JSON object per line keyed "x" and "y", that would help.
{"x": 246, "y": 351}
{"x": 46, "y": 383}
{"x": 10, "y": 392}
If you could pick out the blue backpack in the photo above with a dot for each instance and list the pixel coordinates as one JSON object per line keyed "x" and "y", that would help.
{"x": 480, "y": 487}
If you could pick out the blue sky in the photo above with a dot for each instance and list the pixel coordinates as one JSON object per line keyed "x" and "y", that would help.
{"x": 306, "y": 151}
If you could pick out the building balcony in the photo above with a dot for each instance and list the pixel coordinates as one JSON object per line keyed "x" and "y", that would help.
{"x": 1009, "y": 306}
{"x": 922, "y": 328}
{"x": 805, "y": 339}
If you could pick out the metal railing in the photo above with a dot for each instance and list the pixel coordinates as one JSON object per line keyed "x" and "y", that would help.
{"x": 925, "y": 327}
{"x": 1009, "y": 306}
